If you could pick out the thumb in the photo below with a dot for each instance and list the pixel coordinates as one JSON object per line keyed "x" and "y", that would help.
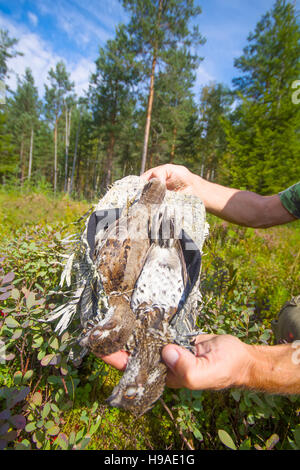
{"x": 183, "y": 365}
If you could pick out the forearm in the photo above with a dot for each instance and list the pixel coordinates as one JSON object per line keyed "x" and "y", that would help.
{"x": 273, "y": 369}
{"x": 240, "y": 207}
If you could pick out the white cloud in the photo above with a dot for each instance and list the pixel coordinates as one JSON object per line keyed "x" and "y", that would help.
{"x": 82, "y": 23}
{"x": 40, "y": 57}
{"x": 33, "y": 18}
{"x": 203, "y": 77}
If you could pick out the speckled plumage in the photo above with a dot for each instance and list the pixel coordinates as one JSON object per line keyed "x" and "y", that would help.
{"x": 128, "y": 298}
{"x": 155, "y": 300}
{"x": 119, "y": 258}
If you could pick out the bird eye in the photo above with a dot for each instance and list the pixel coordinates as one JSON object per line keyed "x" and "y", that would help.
{"x": 130, "y": 392}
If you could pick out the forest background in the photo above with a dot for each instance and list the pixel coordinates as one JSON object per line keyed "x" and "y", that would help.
{"x": 60, "y": 152}
{"x": 141, "y": 108}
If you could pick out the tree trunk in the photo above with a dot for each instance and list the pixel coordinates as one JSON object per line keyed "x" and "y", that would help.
{"x": 55, "y": 155}
{"x": 173, "y": 145}
{"x": 22, "y": 160}
{"x": 96, "y": 173}
{"x": 75, "y": 157}
{"x": 30, "y": 154}
{"x": 151, "y": 95}
{"x": 148, "y": 118}
{"x": 109, "y": 161}
{"x": 68, "y": 127}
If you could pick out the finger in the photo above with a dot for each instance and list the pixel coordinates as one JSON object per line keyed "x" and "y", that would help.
{"x": 183, "y": 365}
{"x": 157, "y": 172}
{"x": 203, "y": 337}
{"x": 118, "y": 359}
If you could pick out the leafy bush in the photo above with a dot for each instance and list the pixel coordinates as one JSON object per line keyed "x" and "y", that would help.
{"x": 48, "y": 403}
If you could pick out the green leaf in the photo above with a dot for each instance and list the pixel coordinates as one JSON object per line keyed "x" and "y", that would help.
{"x": 18, "y": 377}
{"x": 62, "y": 441}
{"x": 49, "y": 424}
{"x": 53, "y": 431}
{"x": 30, "y": 301}
{"x": 17, "y": 334}
{"x": 54, "y": 408}
{"x": 198, "y": 435}
{"x": 226, "y": 439}
{"x": 236, "y": 394}
{"x": 82, "y": 444}
{"x": 64, "y": 368}
{"x": 30, "y": 427}
{"x": 41, "y": 354}
{"x": 94, "y": 407}
{"x": 54, "y": 380}
{"x": 46, "y": 359}
{"x": 37, "y": 398}
{"x": 72, "y": 437}
{"x": 65, "y": 337}
{"x": 297, "y": 436}
{"x": 54, "y": 344}
{"x": 272, "y": 441}
{"x": 38, "y": 437}
{"x": 38, "y": 341}
{"x": 95, "y": 426}
{"x": 15, "y": 294}
{"x": 11, "y": 322}
{"x": 28, "y": 375}
{"x": 46, "y": 410}
{"x": 23, "y": 445}
{"x": 79, "y": 435}
{"x": 245, "y": 445}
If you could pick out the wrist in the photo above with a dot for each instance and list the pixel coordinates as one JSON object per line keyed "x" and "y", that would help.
{"x": 198, "y": 185}
{"x": 247, "y": 364}
{"x": 270, "y": 369}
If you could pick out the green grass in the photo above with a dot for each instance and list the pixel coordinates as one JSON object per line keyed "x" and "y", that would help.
{"x": 246, "y": 276}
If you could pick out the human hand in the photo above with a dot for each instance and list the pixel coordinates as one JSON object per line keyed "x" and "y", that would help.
{"x": 175, "y": 177}
{"x": 220, "y": 361}
{"x": 118, "y": 359}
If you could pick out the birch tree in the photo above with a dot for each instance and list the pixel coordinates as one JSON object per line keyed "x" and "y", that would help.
{"x": 55, "y": 95}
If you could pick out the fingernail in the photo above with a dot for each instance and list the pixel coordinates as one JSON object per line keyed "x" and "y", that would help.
{"x": 170, "y": 356}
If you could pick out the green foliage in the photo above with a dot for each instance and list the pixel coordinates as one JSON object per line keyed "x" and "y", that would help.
{"x": 246, "y": 276}
{"x": 263, "y": 132}
{"x": 247, "y": 137}
{"x": 8, "y": 155}
{"x": 7, "y": 51}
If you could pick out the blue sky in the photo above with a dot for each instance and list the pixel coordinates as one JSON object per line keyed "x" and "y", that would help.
{"x": 73, "y": 30}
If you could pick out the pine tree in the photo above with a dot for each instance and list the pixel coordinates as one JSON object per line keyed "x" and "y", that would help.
{"x": 55, "y": 95}
{"x": 173, "y": 105}
{"x": 156, "y": 27}
{"x": 7, "y": 51}
{"x": 215, "y": 104}
{"x": 263, "y": 136}
{"x": 8, "y": 154}
{"x": 111, "y": 93}
{"x": 24, "y": 109}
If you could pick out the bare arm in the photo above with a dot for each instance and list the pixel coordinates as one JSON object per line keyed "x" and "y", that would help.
{"x": 275, "y": 369}
{"x": 223, "y": 361}
{"x": 240, "y": 207}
